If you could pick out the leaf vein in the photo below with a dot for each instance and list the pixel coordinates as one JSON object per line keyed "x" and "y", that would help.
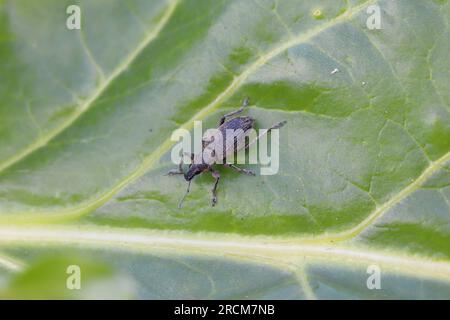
{"x": 43, "y": 140}
{"x": 149, "y": 161}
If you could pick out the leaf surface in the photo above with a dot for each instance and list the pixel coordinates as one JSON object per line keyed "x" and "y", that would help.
{"x": 86, "y": 118}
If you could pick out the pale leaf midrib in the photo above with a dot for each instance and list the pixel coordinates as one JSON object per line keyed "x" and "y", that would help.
{"x": 221, "y": 246}
{"x": 88, "y": 103}
{"x": 149, "y": 161}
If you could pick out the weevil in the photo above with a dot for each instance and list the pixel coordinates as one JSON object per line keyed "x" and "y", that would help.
{"x": 201, "y": 163}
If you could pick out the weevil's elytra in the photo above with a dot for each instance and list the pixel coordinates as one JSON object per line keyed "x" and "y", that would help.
{"x": 200, "y": 163}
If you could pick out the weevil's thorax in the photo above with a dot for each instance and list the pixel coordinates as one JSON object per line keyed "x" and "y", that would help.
{"x": 209, "y": 154}
{"x": 194, "y": 170}
{"x": 213, "y": 143}
{"x": 198, "y": 159}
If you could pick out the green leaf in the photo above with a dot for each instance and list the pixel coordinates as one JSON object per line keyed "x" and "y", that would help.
{"x": 50, "y": 278}
{"x": 86, "y": 118}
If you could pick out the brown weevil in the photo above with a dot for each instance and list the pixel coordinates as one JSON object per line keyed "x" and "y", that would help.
{"x": 204, "y": 161}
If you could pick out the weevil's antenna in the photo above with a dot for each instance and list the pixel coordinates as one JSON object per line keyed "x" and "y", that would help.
{"x": 187, "y": 191}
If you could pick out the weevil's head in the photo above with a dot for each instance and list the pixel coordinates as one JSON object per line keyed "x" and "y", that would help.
{"x": 194, "y": 170}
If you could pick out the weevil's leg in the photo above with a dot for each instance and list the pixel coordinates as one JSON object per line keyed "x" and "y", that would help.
{"x": 245, "y": 103}
{"x": 224, "y": 117}
{"x": 275, "y": 126}
{"x": 180, "y": 204}
{"x": 180, "y": 166}
{"x": 179, "y": 170}
{"x": 174, "y": 172}
{"x": 216, "y": 175}
{"x": 189, "y": 154}
{"x": 241, "y": 170}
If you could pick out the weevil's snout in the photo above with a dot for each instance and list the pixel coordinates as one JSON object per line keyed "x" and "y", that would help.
{"x": 194, "y": 170}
